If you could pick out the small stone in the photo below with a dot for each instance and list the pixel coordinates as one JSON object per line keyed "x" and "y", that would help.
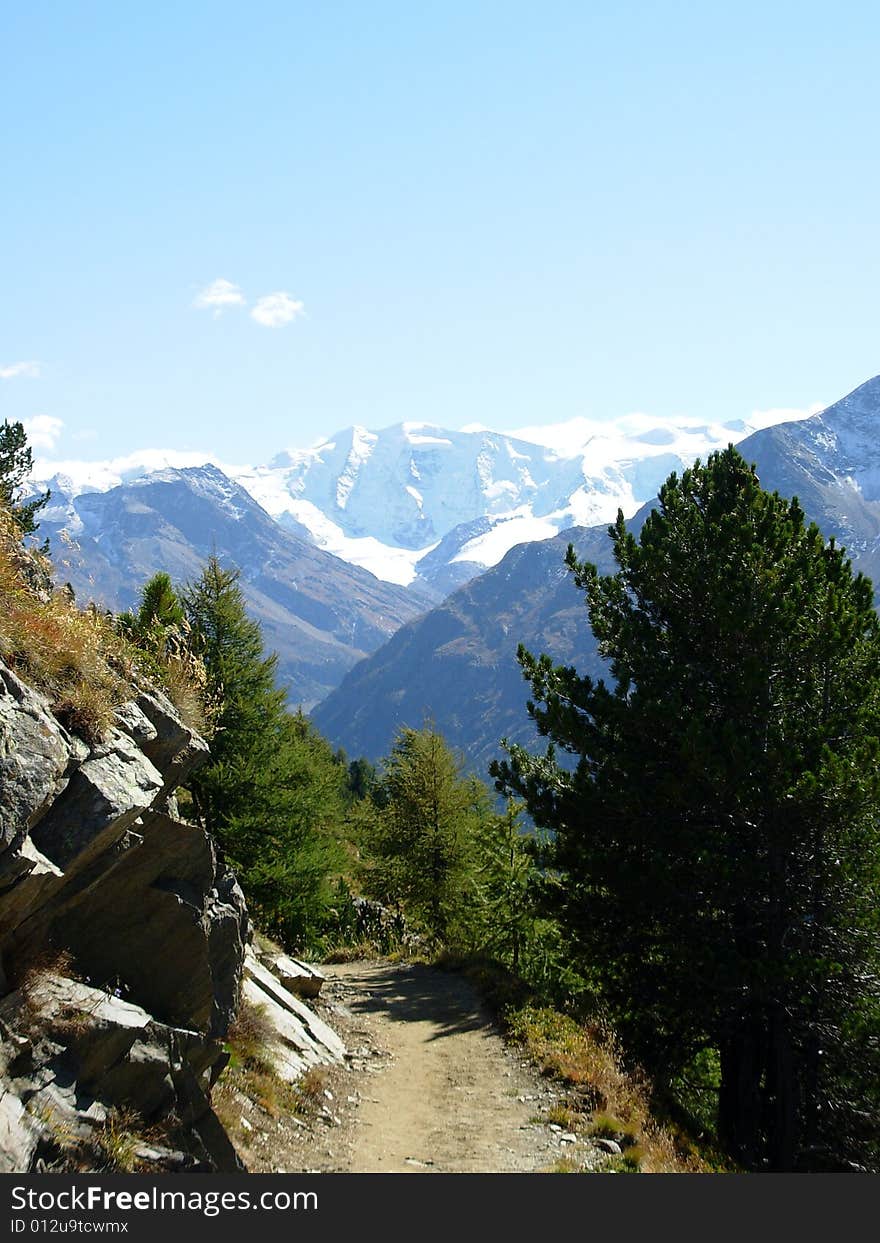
{"x": 247, "y": 1126}
{"x": 555, "y": 1128}
{"x": 567, "y": 1138}
{"x": 608, "y": 1145}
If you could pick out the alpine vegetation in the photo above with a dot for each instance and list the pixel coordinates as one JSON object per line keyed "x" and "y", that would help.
{"x": 716, "y": 827}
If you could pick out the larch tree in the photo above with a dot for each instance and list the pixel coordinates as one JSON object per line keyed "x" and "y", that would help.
{"x": 272, "y": 792}
{"x": 715, "y": 827}
{"x": 421, "y": 839}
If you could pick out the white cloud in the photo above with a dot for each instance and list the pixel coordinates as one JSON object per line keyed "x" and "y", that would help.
{"x": 219, "y": 296}
{"x": 275, "y": 309}
{"x": 13, "y": 370}
{"x": 43, "y": 431}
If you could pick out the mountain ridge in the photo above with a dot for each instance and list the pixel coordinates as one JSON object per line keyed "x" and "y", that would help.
{"x": 457, "y": 664}
{"x": 319, "y": 613}
{"x": 422, "y": 505}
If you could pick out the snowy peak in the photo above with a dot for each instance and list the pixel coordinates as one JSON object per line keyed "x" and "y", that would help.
{"x": 398, "y": 500}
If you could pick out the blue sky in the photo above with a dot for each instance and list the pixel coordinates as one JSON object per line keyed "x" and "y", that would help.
{"x": 469, "y": 212}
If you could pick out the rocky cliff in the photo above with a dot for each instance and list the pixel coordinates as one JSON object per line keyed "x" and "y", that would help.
{"x": 122, "y": 938}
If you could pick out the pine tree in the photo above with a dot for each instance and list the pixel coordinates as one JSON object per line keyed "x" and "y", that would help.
{"x": 272, "y": 792}
{"x": 716, "y": 828}
{"x": 241, "y": 677}
{"x": 506, "y": 877}
{"x": 285, "y": 841}
{"x": 16, "y": 464}
{"x": 159, "y": 604}
{"x": 423, "y": 835}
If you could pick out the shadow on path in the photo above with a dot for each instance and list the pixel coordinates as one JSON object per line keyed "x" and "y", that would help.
{"x": 419, "y": 994}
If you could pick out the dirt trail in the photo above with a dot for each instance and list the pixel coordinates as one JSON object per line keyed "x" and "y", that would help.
{"x": 437, "y": 1087}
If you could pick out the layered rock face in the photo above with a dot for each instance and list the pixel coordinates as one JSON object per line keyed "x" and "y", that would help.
{"x": 122, "y": 937}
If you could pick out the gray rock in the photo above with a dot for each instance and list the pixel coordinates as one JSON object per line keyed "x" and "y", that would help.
{"x": 176, "y": 751}
{"x": 318, "y": 1031}
{"x": 608, "y": 1145}
{"x": 35, "y": 758}
{"x": 92, "y": 862}
{"x": 134, "y": 722}
{"x": 297, "y": 977}
{"x": 169, "y": 924}
{"x": 103, "y": 798}
{"x": 19, "y": 1134}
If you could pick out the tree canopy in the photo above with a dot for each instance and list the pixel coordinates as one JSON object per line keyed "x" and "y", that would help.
{"x": 421, "y": 838}
{"x": 716, "y": 831}
{"x": 273, "y": 791}
{"x": 16, "y": 464}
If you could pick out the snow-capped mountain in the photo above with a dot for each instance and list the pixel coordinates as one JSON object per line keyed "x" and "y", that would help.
{"x": 457, "y": 664}
{"x": 418, "y": 504}
{"x": 321, "y": 615}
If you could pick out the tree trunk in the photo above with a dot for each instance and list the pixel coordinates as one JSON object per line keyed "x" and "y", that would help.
{"x": 781, "y": 1095}
{"x": 739, "y": 1098}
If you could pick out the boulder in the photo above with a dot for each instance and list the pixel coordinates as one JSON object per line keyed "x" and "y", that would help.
{"x": 297, "y": 977}
{"x": 100, "y": 879}
{"x": 263, "y": 988}
{"x": 19, "y": 1135}
{"x": 104, "y": 796}
{"x": 80, "y": 1050}
{"x": 176, "y": 750}
{"x": 36, "y": 755}
{"x": 169, "y": 927}
{"x": 134, "y": 722}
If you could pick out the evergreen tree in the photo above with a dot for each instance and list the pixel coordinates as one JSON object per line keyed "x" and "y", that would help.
{"x": 241, "y": 678}
{"x": 272, "y": 792}
{"x": 16, "y": 464}
{"x": 716, "y": 829}
{"x": 423, "y": 834}
{"x": 284, "y": 842}
{"x": 160, "y": 604}
{"x": 362, "y": 778}
{"x": 506, "y": 878}
{"x": 159, "y": 619}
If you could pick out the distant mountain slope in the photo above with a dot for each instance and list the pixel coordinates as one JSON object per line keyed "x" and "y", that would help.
{"x": 416, "y": 503}
{"x": 319, "y": 613}
{"x": 831, "y": 462}
{"x": 430, "y": 507}
{"x": 457, "y": 664}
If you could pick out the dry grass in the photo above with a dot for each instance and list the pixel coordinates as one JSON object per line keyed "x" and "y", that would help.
{"x": 310, "y": 1087}
{"x": 251, "y": 1071}
{"x": 27, "y": 968}
{"x": 67, "y": 653}
{"x": 77, "y": 657}
{"x": 111, "y": 1147}
{"x": 250, "y": 1079}
{"x": 363, "y": 951}
{"x": 250, "y": 1036}
{"x": 613, "y": 1102}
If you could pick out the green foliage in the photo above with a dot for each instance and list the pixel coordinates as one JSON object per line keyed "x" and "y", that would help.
{"x": 505, "y": 876}
{"x": 362, "y": 779}
{"x": 160, "y": 604}
{"x": 284, "y": 843}
{"x": 16, "y": 464}
{"x": 716, "y": 839}
{"x": 241, "y": 677}
{"x": 420, "y": 838}
{"x": 273, "y": 792}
